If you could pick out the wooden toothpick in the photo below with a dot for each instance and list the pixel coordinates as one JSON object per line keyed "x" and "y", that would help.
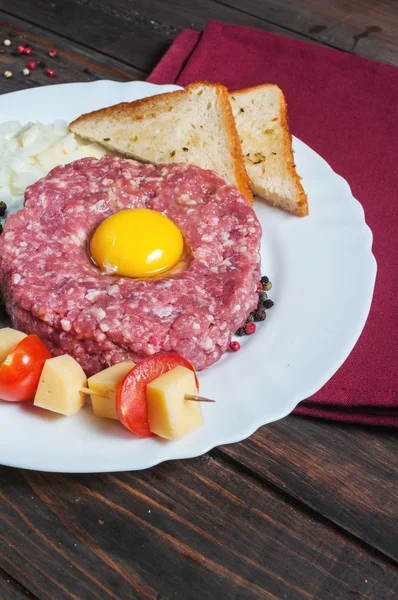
{"x": 91, "y": 393}
{"x": 191, "y": 397}
{"x": 195, "y": 398}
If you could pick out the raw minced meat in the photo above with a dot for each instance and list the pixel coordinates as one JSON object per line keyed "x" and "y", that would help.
{"x": 52, "y": 288}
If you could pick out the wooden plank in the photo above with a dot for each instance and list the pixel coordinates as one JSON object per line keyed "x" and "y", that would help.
{"x": 137, "y": 33}
{"x": 348, "y": 474}
{"x": 12, "y": 590}
{"x": 189, "y": 529}
{"x": 363, "y": 27}
{"x": 73, "y": 63}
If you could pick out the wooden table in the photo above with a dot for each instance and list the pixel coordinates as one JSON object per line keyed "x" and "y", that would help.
{"x": 301, "y": 510}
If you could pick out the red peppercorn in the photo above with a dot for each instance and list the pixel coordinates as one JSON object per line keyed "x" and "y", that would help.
{"x": 50, "y": 73}
{"x": 250, "y": 328}
{"x": 28, "y": 51}
{"x": 31, "y": 65}
{"x": 52, "y": 53}
{"x": 234, "y": 346}
{"x": 21, "y": 49}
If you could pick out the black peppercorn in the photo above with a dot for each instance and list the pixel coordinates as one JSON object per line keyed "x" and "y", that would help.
{"x": 240, "y": 331}
{"x": 264, "y": 279}
{"x": 3, "y": 208}
{"x": 268, "y": 304}
{"x": 260, "y": 314}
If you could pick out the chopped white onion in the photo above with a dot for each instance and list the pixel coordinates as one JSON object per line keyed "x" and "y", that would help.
{"x": 28, "y": 152}
{"x": 9, "y": 128}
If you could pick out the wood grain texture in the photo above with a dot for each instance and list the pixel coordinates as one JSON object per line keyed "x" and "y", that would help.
{"x": 183, "y": 530}
{"x": 363, "y": 27}
{"x": 137, "y": 32}
{"x": 12, "y": 590}
{"x": 295, "y": 511}
{"x": 73, "y": 63}
{"x": 348, "y": 474}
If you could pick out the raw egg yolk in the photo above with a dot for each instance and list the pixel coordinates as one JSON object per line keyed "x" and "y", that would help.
{"x": 137, "y": 242}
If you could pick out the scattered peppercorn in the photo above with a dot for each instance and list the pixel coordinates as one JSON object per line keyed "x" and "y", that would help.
{"x": 3, "y": 208}
{"x": 234, "y": 346}
{"x": 250, "y": 328}
{"x": 31, "y": 65}
{"x": 7, "y": 74}
{"x": 260, "y": 314}
{"x": 25, "y": 72}
{"x": 21, "y": 49}
{"x": 50, "y": 73}
{"x": 52, "y": 53}
{"x": 7, "y": 42}
{"x": 28, "y": 51}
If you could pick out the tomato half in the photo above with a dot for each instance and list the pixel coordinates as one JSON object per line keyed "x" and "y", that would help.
{"x": 131, "y": 403}
{"x": 21, "y": 370}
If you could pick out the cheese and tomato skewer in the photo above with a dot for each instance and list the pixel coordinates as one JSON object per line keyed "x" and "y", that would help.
{"x": 153, "y": 397}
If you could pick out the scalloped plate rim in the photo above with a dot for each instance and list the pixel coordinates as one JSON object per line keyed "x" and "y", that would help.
{"x": 184, "y": 450}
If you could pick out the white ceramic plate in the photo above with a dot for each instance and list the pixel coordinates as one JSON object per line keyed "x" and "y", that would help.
{"x": 323, "y": 273}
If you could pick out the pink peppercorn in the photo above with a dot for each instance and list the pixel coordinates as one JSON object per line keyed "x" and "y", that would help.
{"x": 250, "y": 328}
{"x": 234, "y": 346}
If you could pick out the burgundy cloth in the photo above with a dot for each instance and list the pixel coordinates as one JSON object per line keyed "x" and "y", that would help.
{"x": 345, "y": 108}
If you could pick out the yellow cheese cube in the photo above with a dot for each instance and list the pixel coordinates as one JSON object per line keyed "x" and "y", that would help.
{"x": 105, "y": 383}
{"x": 9, "y": 338}
{"x": 169, "y": 414}
{"x": 60, "y": 383}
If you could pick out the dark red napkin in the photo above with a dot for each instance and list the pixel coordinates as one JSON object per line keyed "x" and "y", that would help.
{"x": 345, "y": 108}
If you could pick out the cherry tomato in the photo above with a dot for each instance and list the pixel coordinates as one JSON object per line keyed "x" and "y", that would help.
{"x": 21, "y": 370}
{"x": 131, "y": 403}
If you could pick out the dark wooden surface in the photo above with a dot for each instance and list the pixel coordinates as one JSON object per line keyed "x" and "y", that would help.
{"x": 301, "y": 510}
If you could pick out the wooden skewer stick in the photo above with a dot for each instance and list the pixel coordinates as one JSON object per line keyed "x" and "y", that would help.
{"x": 195, "y": 398}
{"x": 91, "y": 393}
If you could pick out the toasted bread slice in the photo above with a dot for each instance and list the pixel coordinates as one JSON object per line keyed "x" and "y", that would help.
{"x": 194, "y": 125}
{"x": 261, "y": 119}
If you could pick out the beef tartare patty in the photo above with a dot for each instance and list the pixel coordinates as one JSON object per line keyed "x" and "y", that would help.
{"x": 51, "y": 287}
